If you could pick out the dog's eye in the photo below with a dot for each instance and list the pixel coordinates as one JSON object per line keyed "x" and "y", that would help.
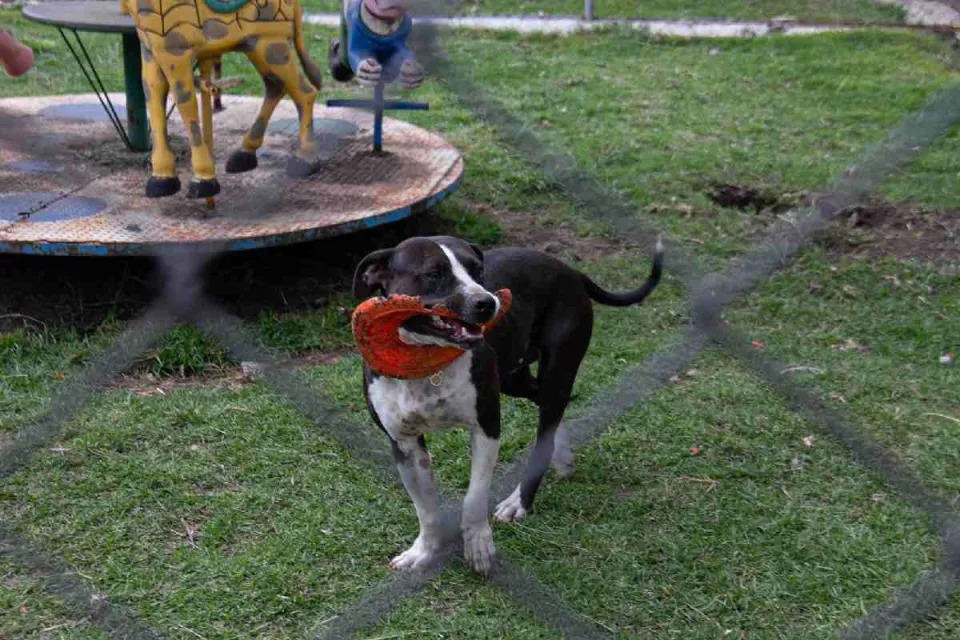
{"x": 434, "y": 274}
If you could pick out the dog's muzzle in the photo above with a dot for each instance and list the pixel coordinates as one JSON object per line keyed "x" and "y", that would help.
{"x": 480, "y": 308}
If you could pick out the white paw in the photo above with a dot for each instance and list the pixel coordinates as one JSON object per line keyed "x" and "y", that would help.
{"x": 510, "y": 510}
{"x": 369, "y": 72}
{"x": 478, "y": 548}
{"x": 416, "y": 557}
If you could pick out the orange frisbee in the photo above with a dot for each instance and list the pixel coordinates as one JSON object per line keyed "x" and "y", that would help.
{"x": 376, "y": 324}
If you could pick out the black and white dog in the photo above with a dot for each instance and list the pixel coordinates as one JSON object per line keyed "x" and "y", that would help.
{"x": 550, "y": 323}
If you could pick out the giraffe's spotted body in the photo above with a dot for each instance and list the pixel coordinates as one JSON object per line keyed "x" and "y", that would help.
{"x": 176, "y": 34}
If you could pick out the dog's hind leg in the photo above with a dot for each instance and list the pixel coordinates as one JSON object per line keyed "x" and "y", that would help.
{"x": 413, "y": 462}
{"x": 556, "y": 375}
{"x": 520, "y": 383}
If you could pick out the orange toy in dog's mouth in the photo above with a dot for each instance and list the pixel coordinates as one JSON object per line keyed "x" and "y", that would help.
{"x": 376, "y": 328}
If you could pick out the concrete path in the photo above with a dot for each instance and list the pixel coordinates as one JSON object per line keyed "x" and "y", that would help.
{"x": 918, "y": 12}
{"x": 568, "y": 25}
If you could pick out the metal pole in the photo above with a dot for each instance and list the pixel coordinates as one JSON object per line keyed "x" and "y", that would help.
{"x": 588, "y": 9}
{"x": 137, "y": 129}
{"x": 378, "y": 117}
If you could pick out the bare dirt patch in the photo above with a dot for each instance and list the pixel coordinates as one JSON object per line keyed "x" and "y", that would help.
{"x": 542, "y": 232}
{"x": 903, "y": 231}
{"x": 144, "y": 383}
{"x": 742, "y": 197}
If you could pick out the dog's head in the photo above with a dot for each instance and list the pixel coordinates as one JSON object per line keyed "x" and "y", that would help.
{"x": 441, "y": 271}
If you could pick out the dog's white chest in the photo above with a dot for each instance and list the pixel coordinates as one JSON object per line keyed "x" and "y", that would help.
{"x": 411, "y": 407}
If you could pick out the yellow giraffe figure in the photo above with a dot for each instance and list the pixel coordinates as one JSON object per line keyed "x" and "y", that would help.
{"x": 177, "y": 34}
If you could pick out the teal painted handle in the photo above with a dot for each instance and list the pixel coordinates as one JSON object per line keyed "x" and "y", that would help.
{"x": 225, "y": 6}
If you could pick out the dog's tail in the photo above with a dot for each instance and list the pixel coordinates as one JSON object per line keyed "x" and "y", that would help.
{"x": 630, "y": 297}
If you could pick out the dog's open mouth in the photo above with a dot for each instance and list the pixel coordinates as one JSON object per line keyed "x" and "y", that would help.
{"x": 451, "y": 330}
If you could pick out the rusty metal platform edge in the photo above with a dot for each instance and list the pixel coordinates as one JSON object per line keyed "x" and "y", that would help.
{"x": 108, "y": 249}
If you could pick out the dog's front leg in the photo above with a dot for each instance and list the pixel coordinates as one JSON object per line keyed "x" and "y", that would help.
{"x": 478, "y": 548}
{"x": 413, "y": 462}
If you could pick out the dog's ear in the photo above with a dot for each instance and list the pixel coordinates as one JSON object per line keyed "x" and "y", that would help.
{"x": 371, "y": 273}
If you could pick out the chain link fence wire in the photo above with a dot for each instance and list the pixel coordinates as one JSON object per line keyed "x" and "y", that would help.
{"x": 65, "y": 584}
{"x": 323, "y": 411}
{"x": 183, "y": 301}
{"x": 920, "y": 601}
{"x": 79, "y": 388}
{"x": 934, "y": 588}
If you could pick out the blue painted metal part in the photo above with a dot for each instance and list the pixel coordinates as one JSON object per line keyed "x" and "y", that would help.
{"x": 398, "y": 105}
{"x": 379, "y": 105}
{"x": 80, "y": 111}
{"x": 47, "y": 206}
{"x": 30, "y": 165}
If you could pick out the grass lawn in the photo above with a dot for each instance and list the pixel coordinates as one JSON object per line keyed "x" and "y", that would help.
{"x": 30, "y": 613}
{"x": 210, "y": 507}
{"x": 878, "y": 361}
{"x": 813, "y": 10}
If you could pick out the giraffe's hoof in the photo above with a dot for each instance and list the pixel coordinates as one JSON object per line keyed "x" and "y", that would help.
{"x": 241, "y": 160}
{"x": 298, "y": 167}
{"x": 162, "y": 187}
{"x": 203, "y": 188}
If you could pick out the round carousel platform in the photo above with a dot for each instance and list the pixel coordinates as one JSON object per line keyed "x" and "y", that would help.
{"x": 68, "y": 186}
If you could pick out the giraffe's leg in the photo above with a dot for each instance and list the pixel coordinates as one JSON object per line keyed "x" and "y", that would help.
{"x": 217, "y": 74}
{"x": 163, "y": 179}
{"x": 206, "y": 108}
{"x": 306, "y": 159}
{"x": 280, "y": 59}
{"x": 204, "y": 182}
{"x": 245, "y": 158}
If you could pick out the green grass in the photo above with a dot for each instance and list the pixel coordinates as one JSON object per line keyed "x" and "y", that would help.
{"x": 272, "y": 529}
{"x": 324, "y": 330}
{"x": 288, "y": 528}
{"x": 185, "y": 351}
{"x": 26, "y": 612}
{"x": 808, "y": 314}
{"x": 814, "y": 10}
{"x": 286, "y": 537}
{"x": 943, "y": 627}
{"x": 33, "y": 364}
